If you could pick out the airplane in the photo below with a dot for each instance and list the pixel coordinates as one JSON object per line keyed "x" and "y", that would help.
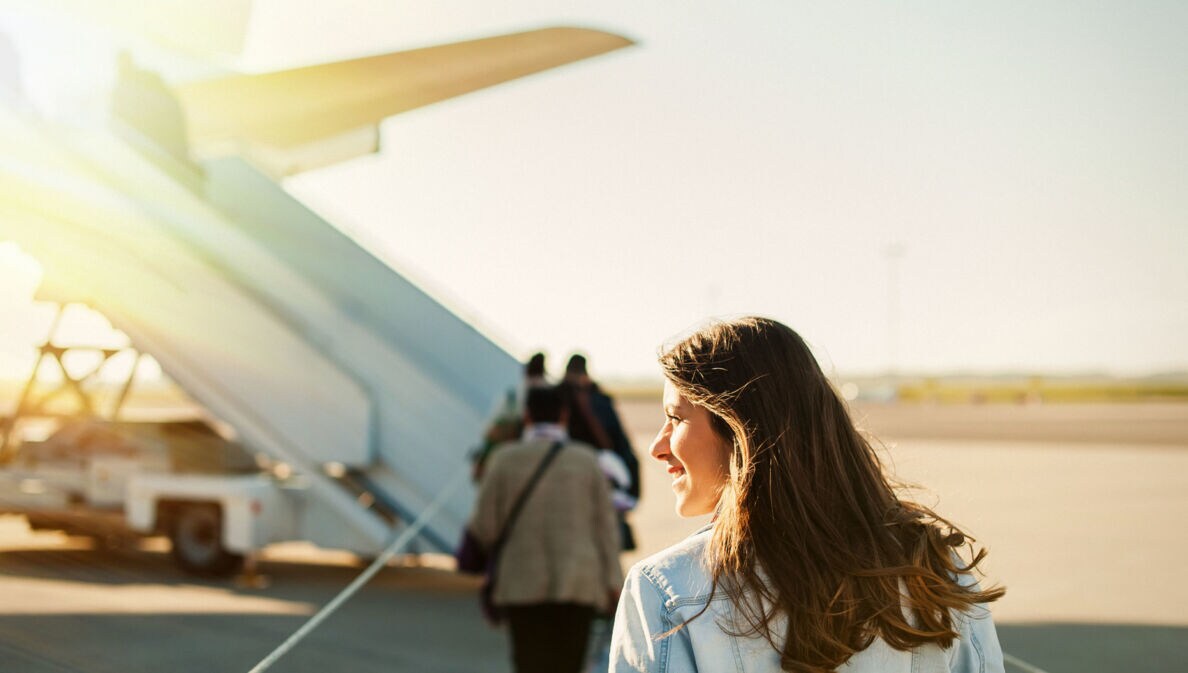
{"x": 164, "y": 211}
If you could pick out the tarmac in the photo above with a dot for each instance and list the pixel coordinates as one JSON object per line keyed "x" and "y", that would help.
{"x": 1085, "y": 530}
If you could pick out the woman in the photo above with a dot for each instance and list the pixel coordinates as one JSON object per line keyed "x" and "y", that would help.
{"x": 812, "y": 562}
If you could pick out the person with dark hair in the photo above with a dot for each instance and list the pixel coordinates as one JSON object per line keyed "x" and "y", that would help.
{"x": 560, "y": 561}
{"x": 534, "y": 370}
{"x": 594, "y": 420}
{"x": 813, "y": 560}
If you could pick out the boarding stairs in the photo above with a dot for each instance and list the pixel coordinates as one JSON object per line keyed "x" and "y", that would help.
{"x": 319, "y": 354}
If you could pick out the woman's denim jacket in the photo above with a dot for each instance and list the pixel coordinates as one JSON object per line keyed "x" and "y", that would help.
{"x": 665, "y": 590}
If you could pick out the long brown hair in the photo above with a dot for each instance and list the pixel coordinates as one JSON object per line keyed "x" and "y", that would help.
{"x": 808, "y": 527}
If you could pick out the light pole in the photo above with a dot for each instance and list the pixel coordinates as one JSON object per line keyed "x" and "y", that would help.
{"x": 893, "y": 252}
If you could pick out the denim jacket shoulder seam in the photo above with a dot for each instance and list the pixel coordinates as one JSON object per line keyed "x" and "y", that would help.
{"x": 977, "y": 645}
{"x": 669, "y": 597}
{"x": 738, "y": 659}
{"x": 659, "y": 583}
{"x": 676, "y": 603}
{"x": 663, "y": 659}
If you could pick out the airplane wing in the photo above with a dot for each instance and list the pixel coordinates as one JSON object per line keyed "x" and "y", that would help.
{"x": 326, "y": 106}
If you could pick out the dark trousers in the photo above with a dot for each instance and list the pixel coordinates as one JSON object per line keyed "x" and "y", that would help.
{"x": 549, "y": 637}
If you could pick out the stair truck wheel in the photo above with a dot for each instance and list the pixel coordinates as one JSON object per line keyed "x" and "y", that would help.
{"x": 196, "y": 538}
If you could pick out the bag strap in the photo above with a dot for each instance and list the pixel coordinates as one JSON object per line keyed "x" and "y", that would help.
{"x": 515, "y": 510}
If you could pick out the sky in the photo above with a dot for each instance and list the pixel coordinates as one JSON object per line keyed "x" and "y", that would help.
{"x": 929, "y": 187}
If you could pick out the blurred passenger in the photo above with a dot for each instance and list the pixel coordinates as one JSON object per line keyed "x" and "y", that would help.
{"x": 559, "y": 563}
{"x": 594, "y": 420}
{"x": 584, "y": 425}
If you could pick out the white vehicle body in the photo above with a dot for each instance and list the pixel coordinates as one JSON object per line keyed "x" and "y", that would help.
{"x": 116, "y": 497}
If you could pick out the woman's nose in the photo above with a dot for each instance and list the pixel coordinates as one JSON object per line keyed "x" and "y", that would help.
{"x": 659, "y": 448}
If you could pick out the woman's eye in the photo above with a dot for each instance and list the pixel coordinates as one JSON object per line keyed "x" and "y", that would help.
{"x": 673, "y": 419}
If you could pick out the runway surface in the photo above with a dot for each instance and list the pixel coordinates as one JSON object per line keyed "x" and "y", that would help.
{"x": 1086, "y": 533}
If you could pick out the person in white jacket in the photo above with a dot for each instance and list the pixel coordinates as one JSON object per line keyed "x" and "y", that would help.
{"x": 813, "y": 562}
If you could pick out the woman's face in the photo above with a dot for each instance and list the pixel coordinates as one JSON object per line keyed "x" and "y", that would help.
{"x": 697, "y": 457}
